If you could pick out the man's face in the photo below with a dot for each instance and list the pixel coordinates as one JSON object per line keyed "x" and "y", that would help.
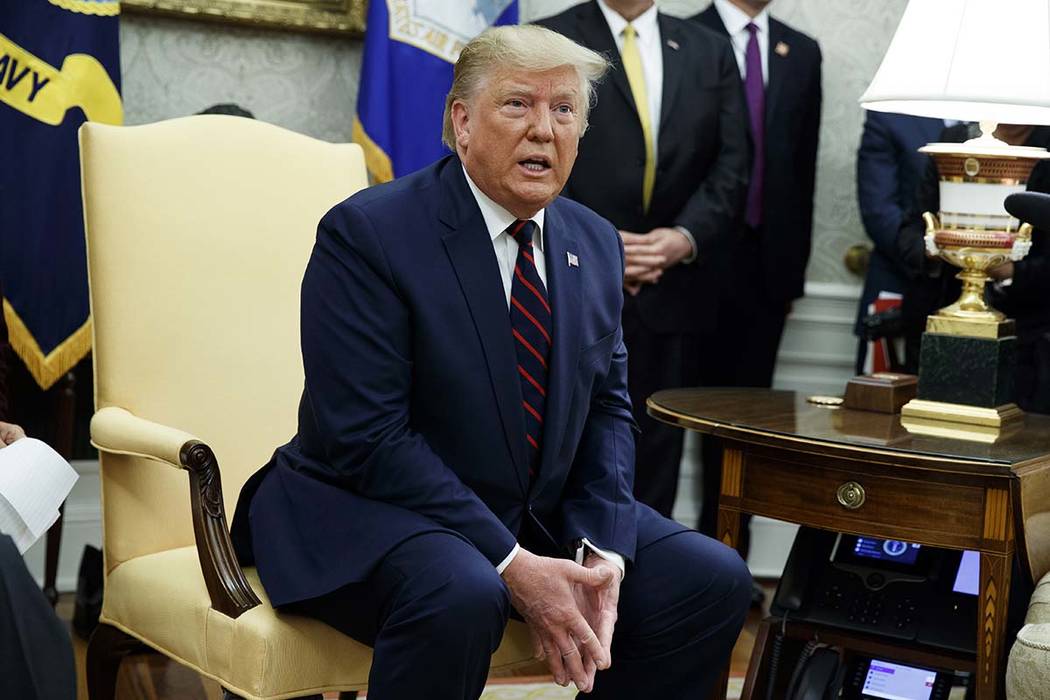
{"x": 518, "y": 137}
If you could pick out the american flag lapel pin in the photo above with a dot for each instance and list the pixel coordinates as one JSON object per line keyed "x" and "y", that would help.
{"x": 782, "y": 49}
{"x": 673, "y": 44}
{"x": 573, "y": 260}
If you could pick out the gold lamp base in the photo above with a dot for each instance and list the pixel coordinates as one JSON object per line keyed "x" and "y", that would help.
{"x": 960, "y": 421}
{"x": 951, "y": 323}
{"x": 973, "y": 230}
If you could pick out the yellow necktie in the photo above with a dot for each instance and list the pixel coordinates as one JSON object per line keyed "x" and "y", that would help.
{"x": 632, "y": 66}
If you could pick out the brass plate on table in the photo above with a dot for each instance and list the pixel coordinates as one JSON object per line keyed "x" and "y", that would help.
{"x": 332, "y": 16}
{"x": 825, "y": 401}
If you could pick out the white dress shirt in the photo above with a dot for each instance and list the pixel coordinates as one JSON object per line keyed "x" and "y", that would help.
{"x": 736, "y": 21}
{"x": 497, "y": 221}
{"x": 648, "y": 41}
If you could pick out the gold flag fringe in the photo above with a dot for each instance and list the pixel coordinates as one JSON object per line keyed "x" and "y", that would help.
{"x": 46, "y": 370}
{"x": 378, "y": 162}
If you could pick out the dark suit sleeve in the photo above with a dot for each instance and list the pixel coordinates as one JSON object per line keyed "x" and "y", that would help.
{"x": 809, "y": 142}
{"x": 357, "y": 356}
{"x": 712, "y": 211}
{"x": 878, "y": 165}
{"x": 3, "y": 361}
{"x": 911, "y": 246}
{"x": 1031, "y": 282}
{"x": 598, "y": 500}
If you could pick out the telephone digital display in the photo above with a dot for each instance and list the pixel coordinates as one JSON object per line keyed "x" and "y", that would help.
{"x": 886, "y": 550}
{"x": 968, "y": 575}
{"x": 891, "y": 681}
{"x": 884, "y": 679}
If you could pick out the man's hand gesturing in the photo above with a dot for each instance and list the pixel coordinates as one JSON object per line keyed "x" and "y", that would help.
{"x": 543, "y": 591}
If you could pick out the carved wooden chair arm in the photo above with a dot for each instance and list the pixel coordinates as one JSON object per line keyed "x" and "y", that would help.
{"x": 118, "y": 431}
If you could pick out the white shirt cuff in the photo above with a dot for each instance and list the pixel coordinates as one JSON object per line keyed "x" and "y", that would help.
{"x": 501, "y": 567}
{"x": 692, "y": 244}
{"x": 613, "y": 557}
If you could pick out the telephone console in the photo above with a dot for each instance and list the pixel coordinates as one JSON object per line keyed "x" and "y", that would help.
{"x": 895, "y": 589}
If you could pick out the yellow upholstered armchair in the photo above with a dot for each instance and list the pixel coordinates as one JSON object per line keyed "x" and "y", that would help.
{"x": 198, "y": 232}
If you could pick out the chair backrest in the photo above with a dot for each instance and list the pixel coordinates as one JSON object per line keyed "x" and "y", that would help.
{"x": 198, "y": 233}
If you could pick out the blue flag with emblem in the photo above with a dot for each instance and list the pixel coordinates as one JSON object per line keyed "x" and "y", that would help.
{"x": 59, "y": 66}
{"x": 410, "y": 48}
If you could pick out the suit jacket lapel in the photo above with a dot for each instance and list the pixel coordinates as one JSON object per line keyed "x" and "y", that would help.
{"x": 596, "y": 35}
{"x": 712, "y": 20}
{"x": 778, "y": 70}
{"x": 673, "y": 69}
{"x": 469, "y": 247}
{"x": 563, "y": 288}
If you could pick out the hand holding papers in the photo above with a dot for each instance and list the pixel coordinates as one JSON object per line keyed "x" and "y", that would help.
{"x": 34, "y": 480}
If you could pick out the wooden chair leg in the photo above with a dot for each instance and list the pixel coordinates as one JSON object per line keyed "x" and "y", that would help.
{"x": 54, "y": 543}
{"x": 62, "y": 402}
{"x": 107, "y": 648}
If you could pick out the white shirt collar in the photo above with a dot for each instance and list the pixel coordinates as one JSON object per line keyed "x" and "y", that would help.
{"x": 497, "y": 219}
{"x": 736, "y": 20}
{"x": 644, "y": 24}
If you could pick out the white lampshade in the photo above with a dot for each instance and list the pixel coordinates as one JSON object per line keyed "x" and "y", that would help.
{"x": 970, "y": 60}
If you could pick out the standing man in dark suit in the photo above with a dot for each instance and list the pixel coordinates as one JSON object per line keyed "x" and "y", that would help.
{"x": 765, "y": 267}
{"x": 465, "y": 430}
{"x": 889, "y": 167}
{"x": 665, "y": 160}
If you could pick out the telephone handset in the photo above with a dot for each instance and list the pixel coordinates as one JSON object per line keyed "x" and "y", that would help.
{"x": 818, "y": 674}
{"x": 828, "y": 673}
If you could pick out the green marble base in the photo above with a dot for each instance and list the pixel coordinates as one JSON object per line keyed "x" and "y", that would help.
{"x": 964, "y": 370}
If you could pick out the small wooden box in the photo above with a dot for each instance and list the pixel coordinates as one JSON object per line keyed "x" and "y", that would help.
{"x": 884, "y": 392}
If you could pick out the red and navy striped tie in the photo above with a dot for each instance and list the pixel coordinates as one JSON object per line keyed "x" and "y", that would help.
{"x": 530, "y": 322}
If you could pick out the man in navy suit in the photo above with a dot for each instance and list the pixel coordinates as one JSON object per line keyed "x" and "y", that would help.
{"x": 889, "y": 168}
{"x": 465, "y": 429}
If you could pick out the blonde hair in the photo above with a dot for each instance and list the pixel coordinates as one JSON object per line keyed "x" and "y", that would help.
{"x": 522, "y": 47}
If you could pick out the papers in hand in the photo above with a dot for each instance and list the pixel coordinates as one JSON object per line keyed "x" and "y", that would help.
{"x": 34, "y": 480}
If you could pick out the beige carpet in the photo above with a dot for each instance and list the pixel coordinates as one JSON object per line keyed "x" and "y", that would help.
{"x": 550, "y": 691}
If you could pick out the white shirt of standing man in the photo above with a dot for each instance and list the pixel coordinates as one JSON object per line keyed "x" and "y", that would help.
{"x": 647, "y": 254}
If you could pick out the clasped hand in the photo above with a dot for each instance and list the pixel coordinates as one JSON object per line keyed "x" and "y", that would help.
{"x": 570, "y": 610}
{"x": 648, "y": 255}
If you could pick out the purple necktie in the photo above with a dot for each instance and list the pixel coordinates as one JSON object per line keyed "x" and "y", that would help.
{"x": 756, "y": 107}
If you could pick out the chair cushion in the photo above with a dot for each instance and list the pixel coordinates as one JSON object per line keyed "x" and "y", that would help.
{"x": 1028, "y": 670}
{"x": 1039, "y": 606}
{"x": 262, "y": 654}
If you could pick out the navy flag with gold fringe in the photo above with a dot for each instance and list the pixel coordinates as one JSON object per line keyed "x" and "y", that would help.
{"x": 59, "y": 66}
{"x": 410, "y": 48}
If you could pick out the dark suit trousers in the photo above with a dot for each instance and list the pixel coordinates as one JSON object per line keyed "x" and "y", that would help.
{"x": 657, "y": 361}
{"x": 435, "y": 610}
{"x": 742, "y": 353}
{"x": 36, "y": 653}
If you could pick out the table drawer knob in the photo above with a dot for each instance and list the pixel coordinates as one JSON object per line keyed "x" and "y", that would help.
{"x": 851, "y": 495}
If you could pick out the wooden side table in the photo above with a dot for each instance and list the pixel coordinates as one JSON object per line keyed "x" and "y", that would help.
{"x": 862, "y": 473}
